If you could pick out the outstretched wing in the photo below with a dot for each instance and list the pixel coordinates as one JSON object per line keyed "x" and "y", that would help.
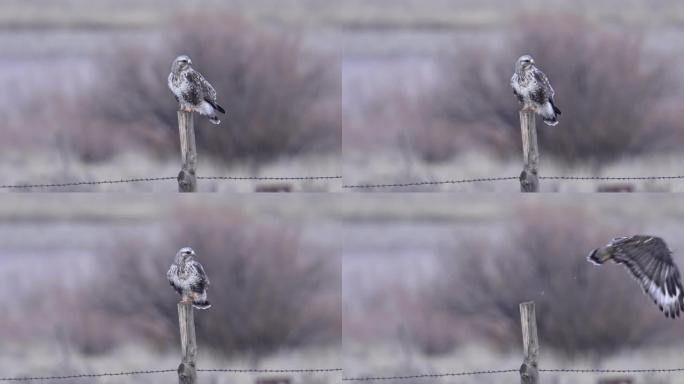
{"x": 650, "y": 261}
{"x": 200, "y": 280}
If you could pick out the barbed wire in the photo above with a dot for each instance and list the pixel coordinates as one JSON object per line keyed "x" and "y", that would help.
{"x": 357, "y": 186}
{"x": 333, "y": 370}
{"x": 418, "y": 183}
{"x": 314, "y": 370}
{"x": 609, "y": 178}
{"x": 155, "y": 371}
{"x": 87, "y": 375}
{"x": 430, "y": 375}
{"x": 501, "y": 371}
{"x": 645, "y": 370}
{"x": 508, "y": 178}
{"x": 165, "y": 178}
{"x": 79, "y": 183}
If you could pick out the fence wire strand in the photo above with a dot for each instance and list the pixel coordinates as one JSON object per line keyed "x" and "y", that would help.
{"x": 155, "y": 371}
{"x": 357, "y": 186}
{"x": 429, "y": 375}
{"x": 165, "y": 178}
{"x": 334, "y": 370}
{"x": 501, "y": 371}
{"x": 508, "y": 178}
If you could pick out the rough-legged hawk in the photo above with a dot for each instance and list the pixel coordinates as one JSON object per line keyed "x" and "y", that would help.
{"x": 187, "y": 277}
{"x": 192, "y": 91}
{"x": 533, "y": 90}
{"x": 650, "y": 261}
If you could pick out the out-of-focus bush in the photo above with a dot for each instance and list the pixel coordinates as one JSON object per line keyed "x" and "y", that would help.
{"x": 268, "y": 290}
{"x": 280, "y": 98}
{"x": 615, "y": 96}
{"x": 581, "y": 308}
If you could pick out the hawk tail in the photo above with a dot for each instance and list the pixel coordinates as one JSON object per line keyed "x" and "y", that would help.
{"x": 555, "y": 109}
{"x": 199, "y": 298}
{"x": 216, "y": 106}
{"x": 201, "y": 304}
{"x": 549, "y": 113}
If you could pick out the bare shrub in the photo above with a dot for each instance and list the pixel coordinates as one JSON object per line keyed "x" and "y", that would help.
{"x": 268, "y": 289}
{"x": 580, "y": 308}
{"x": 615, "y": 97}
{"x": 281, "y": 99}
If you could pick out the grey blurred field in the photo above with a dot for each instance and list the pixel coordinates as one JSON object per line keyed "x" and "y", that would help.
{"x": 58, "y": 251}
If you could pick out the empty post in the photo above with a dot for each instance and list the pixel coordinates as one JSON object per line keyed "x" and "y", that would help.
{"x": 529, "y": 179}
{"x": 187, "y": 370}
{"x": 187, "y": 179}
{"x": 529, "y": 373}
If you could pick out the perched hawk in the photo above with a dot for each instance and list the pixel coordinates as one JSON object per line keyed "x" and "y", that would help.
{"x": 533, "y": 90}
{"x": 650, "y": 261}
{"x": 187, "y": 277}
{"x": 192, "y": 91}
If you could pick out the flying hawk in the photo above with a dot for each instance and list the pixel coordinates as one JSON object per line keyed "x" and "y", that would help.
{"x": 533, "y": 90}
{"x": 192, "y": 91}
{"x": 187, "y": 277}
{"x": 650, "y": 261}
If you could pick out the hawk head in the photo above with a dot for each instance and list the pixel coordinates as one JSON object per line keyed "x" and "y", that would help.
{"x": 600, "y": 255}
{"x": 524, "y": 62}
{"x": 181, "y": 63}
{"x": 184, "y": 255}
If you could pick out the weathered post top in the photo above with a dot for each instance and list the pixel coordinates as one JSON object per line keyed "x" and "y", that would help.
{"x": 529, "y": 179}
{"x": 187, "y": 179}
{"x": 529, "y": 373}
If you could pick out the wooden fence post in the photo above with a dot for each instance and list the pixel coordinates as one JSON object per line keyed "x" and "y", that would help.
{"x": 187, "y": 370}
{"x": 187, "y": 179}
{"x": 529, "y": 373}
{"x": 529, "y": 179}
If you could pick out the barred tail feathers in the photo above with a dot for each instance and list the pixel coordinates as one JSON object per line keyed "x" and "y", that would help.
{"x": 549, "y": 113}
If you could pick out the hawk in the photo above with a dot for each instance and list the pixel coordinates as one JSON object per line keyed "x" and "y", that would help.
{"x": 192, "y": 91}
{"x": 533, "y": 90}
{"x": 650, "y": 261}
{"x": 187, "y": 277}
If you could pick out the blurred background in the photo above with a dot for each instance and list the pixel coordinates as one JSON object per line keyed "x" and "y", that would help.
{"x": 426, "y": 92}
{"x": 433, "y": 284}
{"x": 85, "y": 289}
{"x": 87, "y": 97}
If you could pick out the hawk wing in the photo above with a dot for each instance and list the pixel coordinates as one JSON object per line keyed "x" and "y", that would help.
{"x": 200, "y": 280}
{"x": 545, "y": 91}
{"x": 650, "y": 261}
{"x": 171, "y": 276}
{"x": 514, "y": 85}
{"x": 208, "y": 92}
